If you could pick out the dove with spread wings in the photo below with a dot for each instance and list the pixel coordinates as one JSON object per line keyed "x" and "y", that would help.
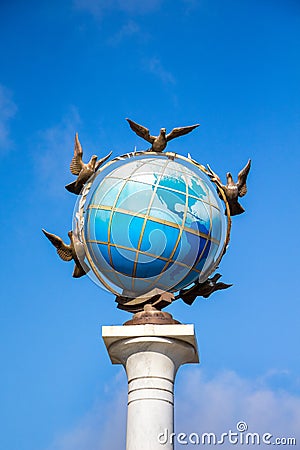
{"x": 205, "y": 289}
{"x": 84, "y": 171}
{"x": 69, "y": 252}
{"x": 233, "y": 190}
{"x": 159, "y": 143}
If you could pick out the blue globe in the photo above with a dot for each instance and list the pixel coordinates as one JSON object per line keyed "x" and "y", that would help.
{"x": 150, "y": 220}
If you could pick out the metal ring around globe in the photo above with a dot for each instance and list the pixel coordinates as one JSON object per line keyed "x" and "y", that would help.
{"x": 108, "y": 279}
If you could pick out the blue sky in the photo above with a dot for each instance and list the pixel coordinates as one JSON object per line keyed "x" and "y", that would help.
{"x": 85, "y": 65}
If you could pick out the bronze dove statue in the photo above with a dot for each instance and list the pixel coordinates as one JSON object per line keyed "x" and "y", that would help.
{"x": 203, "y": 289}
{"x": 84, "y": 171}
{"x": 159, "y": 142}
{"x": 233, "y": 190}
{"x": 69, "y": 252}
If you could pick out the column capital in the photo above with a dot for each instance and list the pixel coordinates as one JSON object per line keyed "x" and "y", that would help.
{"x": 139, "y": 336}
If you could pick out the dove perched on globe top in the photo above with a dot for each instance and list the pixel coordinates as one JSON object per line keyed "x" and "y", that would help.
{"x": 159, "y": 142}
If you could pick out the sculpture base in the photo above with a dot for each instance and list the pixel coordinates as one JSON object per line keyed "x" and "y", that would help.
{"x": 156, "y": 297}
{"x": 153, "y": 316}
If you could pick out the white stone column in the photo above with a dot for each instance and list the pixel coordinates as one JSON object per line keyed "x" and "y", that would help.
{"x": 151, "y": 355}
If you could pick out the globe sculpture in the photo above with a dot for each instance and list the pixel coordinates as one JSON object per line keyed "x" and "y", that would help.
{"x": 150, "y": 226}
{"x": 151, "y": 221}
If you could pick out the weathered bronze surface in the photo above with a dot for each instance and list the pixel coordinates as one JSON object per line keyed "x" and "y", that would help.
{"x": 153, "y": 316}
{"x": 84, "y": 171}
{"x": 67, "y": 252}
{"x": 159, "y": 142}
{"x": 202, "y": 289}
{"x": 157, "y": 298}
{"x": 233, "y": 190}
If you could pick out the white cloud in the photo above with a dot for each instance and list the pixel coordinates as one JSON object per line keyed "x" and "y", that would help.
{"x": 8, "y": 110}
{"x": 155, "y": 66}
{"x": 202, "y": 405}
{"x": 104, "y": 427}
{"x": 95, "y": 7}
{"x": 98, "y": 8}
{"x": 218, "y": 404}
{"x": 53, "y": 153}
{"x": 130, "y": 28}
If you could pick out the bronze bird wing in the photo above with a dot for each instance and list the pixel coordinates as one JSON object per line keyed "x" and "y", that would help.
{"x": 242, "y": 178}
{"x": 216, "y": 277}
{"x": 217, "y": 180}
{"x": 214, "y": 176}
{"x": 102, "y": 161}
{"x": 218, "y": 287}
{"x": 141, "y": 131}
{"x": 176, "y": 132}
{"x": 77, "y": 164}
{"x": 63, "y": 250}
{"x": 78, "y": 272}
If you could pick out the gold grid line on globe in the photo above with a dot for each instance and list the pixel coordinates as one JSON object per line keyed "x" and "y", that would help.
{"x": 91, "y": 260}
{"x": 207, "y": 240}
{"x": 142, "y": 252}
{"x": 94, "y": 267}
{"x": 113, "y": 209}
{"x": 181, "y": 227}
{"x": 155, "y": 219}
{"x": 155, "y": 186}
{"x": 170, "y": 189}
{"x": 209, "y": 236}
{"x": 178, "y": 169}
